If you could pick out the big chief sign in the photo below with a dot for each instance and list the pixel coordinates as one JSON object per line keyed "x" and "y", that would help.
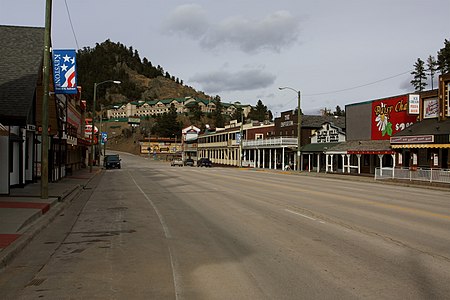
{"x": 390, "y": 116}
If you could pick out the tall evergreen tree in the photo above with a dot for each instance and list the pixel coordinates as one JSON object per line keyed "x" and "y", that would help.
{"x": 195, "y": 113}
{"x": 219, "y": 120}
{"x": 443, "y": 58}
{"x": 260, "y": 112}
{"x": 237, "y": 114}
{"x": 419, "y": 82}
{"x": 431, "y": 68}
{"x": 167, "y": 125}
{"x": 339, "y": 112}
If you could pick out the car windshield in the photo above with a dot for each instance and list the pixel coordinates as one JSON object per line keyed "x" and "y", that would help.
{"x": 112, "y": 158}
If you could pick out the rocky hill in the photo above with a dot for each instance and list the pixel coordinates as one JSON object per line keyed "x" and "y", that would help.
{"x": 140, "y": 80}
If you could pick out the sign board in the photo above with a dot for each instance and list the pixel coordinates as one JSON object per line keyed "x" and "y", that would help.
{"x": 238, "y": 138}
{"x": 88, "y": 130}
{"x": 64, "y": 71}
{"x": 430, "y": 108}
{"x": 104, "y": 138}
{"x": 414, "y": 105}
{"x": 390, "y": 116}
{"x": 134, "y": 120}
{"x": 415, "y": 139}
{"x": 448, "y": 100}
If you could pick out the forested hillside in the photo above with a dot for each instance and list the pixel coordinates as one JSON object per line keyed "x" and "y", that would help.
{"x": 141, "y": 80}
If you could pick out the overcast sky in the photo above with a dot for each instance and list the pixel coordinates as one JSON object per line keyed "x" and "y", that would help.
{"x": 243, "y": 50}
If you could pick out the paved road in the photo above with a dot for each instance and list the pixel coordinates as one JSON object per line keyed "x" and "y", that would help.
{"x": 151, "y": 231}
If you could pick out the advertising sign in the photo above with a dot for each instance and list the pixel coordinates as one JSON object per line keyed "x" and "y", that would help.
{"x": 104, "y": 138}
{"x": 448, "y": 99}
{"x": 64, "y": 71}
{"x": 413, "y": 104}
{"x": 390, "y": 116}
{"x": 430, "y": 108}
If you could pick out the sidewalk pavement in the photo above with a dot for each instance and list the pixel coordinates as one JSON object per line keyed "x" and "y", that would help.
{"x": 23, "y": 214}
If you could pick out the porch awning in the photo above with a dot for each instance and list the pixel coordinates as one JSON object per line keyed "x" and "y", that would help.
{"x": 402, "y": 146}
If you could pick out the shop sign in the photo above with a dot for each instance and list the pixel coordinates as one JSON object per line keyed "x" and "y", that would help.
{"x": 415, "y": 139}
{"x": 430, "y": 108}
{"x": 413, "y": 105}
{"x": 390, "y": 116}
{"x": 134, "y": 120}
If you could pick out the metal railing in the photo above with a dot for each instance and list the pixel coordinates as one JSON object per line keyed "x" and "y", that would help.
{"x": 419, "y": 174}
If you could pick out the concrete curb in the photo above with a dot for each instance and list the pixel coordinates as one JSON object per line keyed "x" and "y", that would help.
{"x": 9, "y": 253}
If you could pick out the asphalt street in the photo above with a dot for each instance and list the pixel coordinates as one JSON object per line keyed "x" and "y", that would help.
{"x": 151, "y": 231}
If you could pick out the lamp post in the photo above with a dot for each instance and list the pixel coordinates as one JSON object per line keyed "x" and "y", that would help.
{"x": 299, "y": 125}
{"x": 91, "y": 155}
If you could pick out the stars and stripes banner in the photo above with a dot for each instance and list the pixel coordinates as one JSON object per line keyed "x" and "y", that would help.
{"x": 64, "y": 71}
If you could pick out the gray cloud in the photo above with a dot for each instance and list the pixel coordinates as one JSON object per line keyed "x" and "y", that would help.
{"x": 221, "y": 81}
{"x": 188, "y": 19}
{"x": 274, "y": 32}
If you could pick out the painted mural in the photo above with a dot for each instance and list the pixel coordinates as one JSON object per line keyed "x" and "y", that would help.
{"x": 390, "y": 116}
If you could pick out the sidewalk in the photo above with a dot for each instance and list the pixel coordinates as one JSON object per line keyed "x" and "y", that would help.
{"x": 23, "y": 214}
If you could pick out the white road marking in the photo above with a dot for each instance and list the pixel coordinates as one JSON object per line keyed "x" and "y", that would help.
{"x": 173, "y": 262}
{"x": 299, "y": 214}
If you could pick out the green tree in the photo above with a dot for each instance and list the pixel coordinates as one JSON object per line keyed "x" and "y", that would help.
{"x": 431, "y": 68}
{"x": 443, "y": 58}
{"x": 260, "y": 112}
{"x": 339, "y": 112}
{"x": 419, "y": 82}
{"x": 219, "y": 120}
{"x": 167, "y": 125}
{"x": 195, "y": 113}
{"x": 237, "y": 114}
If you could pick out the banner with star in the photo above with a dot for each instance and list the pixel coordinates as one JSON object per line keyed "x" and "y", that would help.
{"x": 64, "y": 71}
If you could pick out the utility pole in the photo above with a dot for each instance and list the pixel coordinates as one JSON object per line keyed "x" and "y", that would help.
{"x": 299, "y": 126}
{"x": 46, "y": 91}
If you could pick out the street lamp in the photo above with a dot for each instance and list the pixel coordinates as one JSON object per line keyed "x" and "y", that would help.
{"x": 91, "y": 155}
{"x": 299, "y": 125}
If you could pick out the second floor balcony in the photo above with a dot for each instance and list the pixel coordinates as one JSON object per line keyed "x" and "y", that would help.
{"x": 278, "y": 141}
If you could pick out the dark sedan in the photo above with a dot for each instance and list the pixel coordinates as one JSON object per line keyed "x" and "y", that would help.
{"x": 204, "y": 162}
{"x": 112, "y": 162}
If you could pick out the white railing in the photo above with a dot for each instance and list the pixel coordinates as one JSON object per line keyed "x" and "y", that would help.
{"x": 420, "y": 174}
{"x": 281, "y": 141}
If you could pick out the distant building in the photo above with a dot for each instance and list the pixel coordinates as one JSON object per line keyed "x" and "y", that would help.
{"x": 182, "y": 105}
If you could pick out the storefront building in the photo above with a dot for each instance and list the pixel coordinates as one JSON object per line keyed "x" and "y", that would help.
{"x": 370, "y": 125}
{"x": 426, "y": 144}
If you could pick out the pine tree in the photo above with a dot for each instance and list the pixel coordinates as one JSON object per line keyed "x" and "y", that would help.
{"x": 419, "y": 82}
{"x": 219, "y": 120}
{"x": 431, "y": 68}
{"x": 237, "y": 114}
{"x": 260, "y": 112}
{"x": 443, "y": 58}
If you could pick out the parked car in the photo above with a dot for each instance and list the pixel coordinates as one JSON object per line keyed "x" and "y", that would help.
{"x": 204, "y": 162}
{"x": 112, "y": 161}
{"x": 176, "y": 162}
{"x": 189, "y": 162}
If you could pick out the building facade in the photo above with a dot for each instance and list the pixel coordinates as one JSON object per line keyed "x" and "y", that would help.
{"x": 182, "y": 105}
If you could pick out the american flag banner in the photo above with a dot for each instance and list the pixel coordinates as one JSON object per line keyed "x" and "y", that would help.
{"x": 64, "y": 71}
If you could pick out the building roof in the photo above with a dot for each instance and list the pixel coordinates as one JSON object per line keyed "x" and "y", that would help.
{"x": 317, "y": 121}
{"x": 21, "y": 57}
{"x": 363, "y": 146}
{"x": 318, "y": 147}
{"x": 427, "y": 127}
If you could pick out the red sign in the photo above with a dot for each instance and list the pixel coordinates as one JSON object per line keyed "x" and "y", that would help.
{"x": 390, "y": 116}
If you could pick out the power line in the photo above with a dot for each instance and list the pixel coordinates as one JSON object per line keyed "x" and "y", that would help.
{"x": 359, "y": 86}
{"x": 71, "y": 25}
